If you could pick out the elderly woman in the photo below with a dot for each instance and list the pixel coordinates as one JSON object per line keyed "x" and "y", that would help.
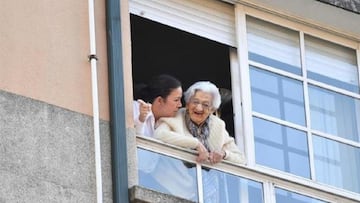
{"x": 196, "y": 127}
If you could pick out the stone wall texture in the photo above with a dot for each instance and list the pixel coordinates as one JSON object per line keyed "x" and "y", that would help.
{"x": 47, "y": 153}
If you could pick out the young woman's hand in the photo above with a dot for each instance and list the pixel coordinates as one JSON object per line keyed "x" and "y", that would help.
{"x": 144, "y": 109}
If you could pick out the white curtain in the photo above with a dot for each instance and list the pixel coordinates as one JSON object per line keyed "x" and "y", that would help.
{"x": 336, "y": 163}
{"x": 273, "y": 42}
{"x": 332, "y": 64}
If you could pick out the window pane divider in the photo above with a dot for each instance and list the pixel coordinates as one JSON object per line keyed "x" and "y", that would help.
{"x": 269, "y": 192}
{"x": 307, "y": 80}
{"x": 275, "y": 70}
{"x": 335, "y": 89}
{"x": 336, "y": 138}
{"x": 279, "y": 121}
{"x": 199, "y": 183}
{"x": 302, "y": 128}
{"x": 307, "y": 106}
{"x": 358, "y": 63}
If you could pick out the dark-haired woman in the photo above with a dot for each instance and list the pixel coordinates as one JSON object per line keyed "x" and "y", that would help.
{"x": 161, "y": 97}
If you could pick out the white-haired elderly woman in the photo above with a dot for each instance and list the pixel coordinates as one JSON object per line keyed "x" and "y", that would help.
{"x": 196, "y": 127}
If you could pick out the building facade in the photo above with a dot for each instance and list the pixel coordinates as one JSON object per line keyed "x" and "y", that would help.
{"x": 66, "y": 89}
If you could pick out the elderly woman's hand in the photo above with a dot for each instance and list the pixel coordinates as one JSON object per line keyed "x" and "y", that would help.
{"x": 203, "y": 153}
{"x": 216, "y": 156}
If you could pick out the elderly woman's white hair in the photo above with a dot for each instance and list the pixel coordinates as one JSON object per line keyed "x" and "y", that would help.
{"x": 204, "y": 86}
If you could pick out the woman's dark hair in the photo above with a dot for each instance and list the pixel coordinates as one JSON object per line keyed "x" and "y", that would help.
{"x": 160, "y": 85}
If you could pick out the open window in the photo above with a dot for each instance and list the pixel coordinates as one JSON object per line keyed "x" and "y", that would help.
{"x": 158, "y": 49}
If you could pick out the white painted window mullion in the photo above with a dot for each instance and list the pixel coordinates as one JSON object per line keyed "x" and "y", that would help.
{"x": 269, "y": 192}
{"x": 307, "y": 105}
{"x": 199, "y": 183}
{"x": 358, "y": 62}
{"x": 242, "y": 52}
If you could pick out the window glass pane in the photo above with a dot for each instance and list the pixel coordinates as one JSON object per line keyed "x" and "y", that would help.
{"x": 223, "y": 187}
{"x": 331, "y": 64}
{"x": 273, "y": 45}
{"x": 277, "y": 96}
{"x": 166, "y": 174}
{"x": 334, "y": 113}
{"x": 337, "y": 164}
{"x": 287, "y": 145}
{"x": 284, "y": 196}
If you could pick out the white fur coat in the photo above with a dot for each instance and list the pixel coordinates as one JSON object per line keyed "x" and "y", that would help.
{"x": 173, "y": 130}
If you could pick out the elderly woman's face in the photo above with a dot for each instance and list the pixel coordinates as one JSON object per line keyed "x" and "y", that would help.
{"x": 200, "y": 106}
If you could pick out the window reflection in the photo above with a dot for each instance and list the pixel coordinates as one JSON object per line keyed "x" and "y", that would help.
{"x": 227, "y": 188}
{"x": 337, "y": 164}
{"x": 277, "y": 96}
{"x": 273, "y": 45}
{"x": 284, "y": 196}
{"x": 287, "y": 147}
{"x": 166, "y": 174}
{"x": 334, "y": 113}
{"x": 331, "y": 64}
{"x": 175, "y": 177}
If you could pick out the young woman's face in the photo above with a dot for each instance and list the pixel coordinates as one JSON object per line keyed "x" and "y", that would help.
{"x": 172, "y": 103}
{"x": 199, "y": 106}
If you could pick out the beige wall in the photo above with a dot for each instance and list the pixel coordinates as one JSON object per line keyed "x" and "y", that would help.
{"x": 43, "y": 53}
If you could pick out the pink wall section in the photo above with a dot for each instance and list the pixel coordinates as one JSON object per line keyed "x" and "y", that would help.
{"x": 43, "y": 53}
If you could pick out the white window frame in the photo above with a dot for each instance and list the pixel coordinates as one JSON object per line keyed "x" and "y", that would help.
{"x": 248, "y": 126}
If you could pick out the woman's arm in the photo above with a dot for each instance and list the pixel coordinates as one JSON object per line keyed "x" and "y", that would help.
{"x": 232, "y": 151}
{"x": 165, "y": 133}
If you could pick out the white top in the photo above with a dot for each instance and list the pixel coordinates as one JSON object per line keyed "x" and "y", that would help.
{"x": 145, "y": 128}
{"x": 148, "y": 160}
